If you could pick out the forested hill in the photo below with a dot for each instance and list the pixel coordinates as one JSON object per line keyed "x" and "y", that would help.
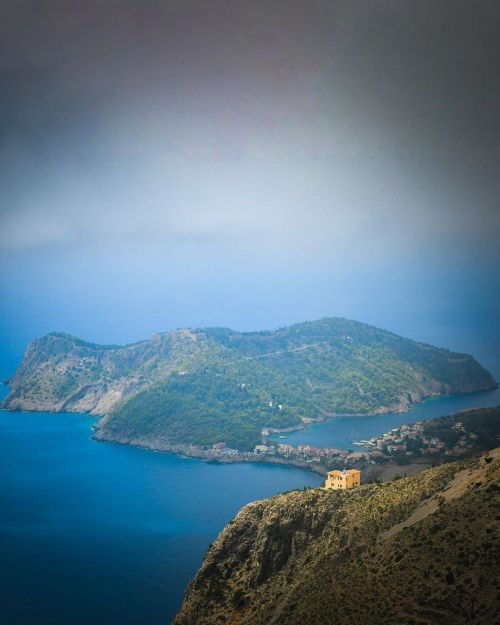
{"x": 202, "y": 386}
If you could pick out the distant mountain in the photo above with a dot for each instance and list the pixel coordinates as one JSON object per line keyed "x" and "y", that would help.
{"x": 198, "y": 387}
{"x": 417, "y": 551}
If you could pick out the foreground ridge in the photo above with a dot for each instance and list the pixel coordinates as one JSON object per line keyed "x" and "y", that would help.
{"x": 421, "y": 550}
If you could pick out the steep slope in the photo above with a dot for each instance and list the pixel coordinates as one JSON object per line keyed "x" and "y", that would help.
{"x": 419, "y": 551}
{"x": 204, "y": 386}
{"x": 60, "y": 372}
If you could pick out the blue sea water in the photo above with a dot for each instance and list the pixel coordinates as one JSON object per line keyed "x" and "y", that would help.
{"x": 104, "y": 534}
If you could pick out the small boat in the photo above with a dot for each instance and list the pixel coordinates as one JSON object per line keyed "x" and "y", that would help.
{"x": 282, "y": 436}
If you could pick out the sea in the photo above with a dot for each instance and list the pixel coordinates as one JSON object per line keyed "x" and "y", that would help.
{"x": 105, "y": 534}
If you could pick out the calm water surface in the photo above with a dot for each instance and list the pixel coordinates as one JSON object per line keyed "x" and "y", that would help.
{"x": 340, "y": 431}
{"x": 103, "y": 534}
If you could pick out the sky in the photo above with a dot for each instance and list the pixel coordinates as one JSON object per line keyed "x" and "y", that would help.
{"x": 181, "y": 163}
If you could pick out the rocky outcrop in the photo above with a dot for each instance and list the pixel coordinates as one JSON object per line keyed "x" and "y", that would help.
{"x": 420, "y": 550}
{"x": 62, "y": 373}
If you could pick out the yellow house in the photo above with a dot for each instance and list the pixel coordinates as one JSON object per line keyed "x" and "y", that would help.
{"x": 348, "y": 478}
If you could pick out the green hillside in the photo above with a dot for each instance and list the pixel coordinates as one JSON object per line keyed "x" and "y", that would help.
{"x": 313, "y": 370}
{"x": 211, "y": 385}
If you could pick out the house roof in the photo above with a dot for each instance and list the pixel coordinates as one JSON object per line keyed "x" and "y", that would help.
{"x": 345, "y": 472}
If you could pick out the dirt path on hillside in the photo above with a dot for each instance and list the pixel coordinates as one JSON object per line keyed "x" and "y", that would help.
{"x": 455, "y": 488}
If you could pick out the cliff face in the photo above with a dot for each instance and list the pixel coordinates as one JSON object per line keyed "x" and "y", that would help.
{"x": 199, "y": 387}
{"x": 420, "y": 550}
{"x": 62, "y": 373}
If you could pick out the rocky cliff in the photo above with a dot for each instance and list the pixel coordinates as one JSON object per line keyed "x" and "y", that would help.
{"x": 416, "y": 551}
{"x": 60, "y": 372}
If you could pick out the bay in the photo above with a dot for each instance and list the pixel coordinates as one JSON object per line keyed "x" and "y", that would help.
{"x": 341, "y": 431}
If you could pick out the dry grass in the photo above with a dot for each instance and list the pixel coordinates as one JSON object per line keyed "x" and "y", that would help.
{"x": 418, "y": 551}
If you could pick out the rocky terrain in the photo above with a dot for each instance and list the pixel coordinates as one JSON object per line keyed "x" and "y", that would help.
{"x": 417, "y": 551}
{"x": 198, "y": 387}
{"x": 62, "y": 373}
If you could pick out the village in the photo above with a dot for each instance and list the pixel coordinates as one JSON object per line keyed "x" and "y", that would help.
{"x": 410, "y": 444}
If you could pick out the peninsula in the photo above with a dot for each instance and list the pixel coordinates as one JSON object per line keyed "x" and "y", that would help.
{"x": 189, "y": 390}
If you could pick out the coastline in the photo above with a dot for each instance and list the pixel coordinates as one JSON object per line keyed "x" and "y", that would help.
{"x": 381, "y": 473}
{"x": 371, "y": 471}
{"x": 191, "y": 451}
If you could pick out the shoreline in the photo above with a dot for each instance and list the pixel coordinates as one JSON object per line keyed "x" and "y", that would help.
{"x": 371, "y": 472}
{"x": 228, "y": 456}
{"x": 208, "y": 457}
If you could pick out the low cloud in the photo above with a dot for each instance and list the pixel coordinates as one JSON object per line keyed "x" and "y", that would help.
{"x": 286, "y": 133}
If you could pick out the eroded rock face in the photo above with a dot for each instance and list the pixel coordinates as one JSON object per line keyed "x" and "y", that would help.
{"x": 419, "y": 550}
{"x": 62, "y": 373}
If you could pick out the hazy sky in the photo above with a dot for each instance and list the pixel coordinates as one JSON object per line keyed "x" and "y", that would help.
{"x": 252, "y": 164}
